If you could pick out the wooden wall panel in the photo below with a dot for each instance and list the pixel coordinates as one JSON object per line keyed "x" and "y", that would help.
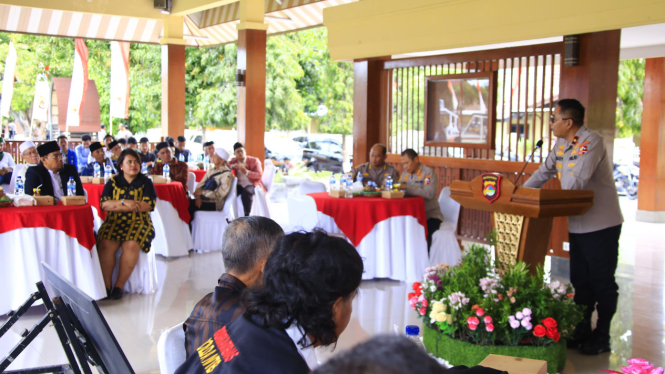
{"x": 251, "y": 120}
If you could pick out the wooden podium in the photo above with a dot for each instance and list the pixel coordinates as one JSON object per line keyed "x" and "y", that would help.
{"x": 522, "y": 216}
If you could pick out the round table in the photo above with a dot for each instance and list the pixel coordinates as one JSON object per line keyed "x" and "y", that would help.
{"x": 170, "y": 217}
{"x": 199, "y": 174}
{"x": 61, "y": 236}
{"x": 390, "y": 234}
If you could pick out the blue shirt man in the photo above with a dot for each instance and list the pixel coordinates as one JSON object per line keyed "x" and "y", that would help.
{"x": 68, "y": 156}
{"x": 82, "y": 152}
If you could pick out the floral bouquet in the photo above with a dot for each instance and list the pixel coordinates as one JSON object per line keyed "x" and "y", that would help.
{"x": 637, "y": 366}
{"x": 478, "y": 304}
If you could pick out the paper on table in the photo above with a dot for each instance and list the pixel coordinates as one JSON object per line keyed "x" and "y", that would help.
{"x": 357, "y": 187}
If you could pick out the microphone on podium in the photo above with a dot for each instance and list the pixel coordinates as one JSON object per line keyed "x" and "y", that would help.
{"x": 538, "y": 145}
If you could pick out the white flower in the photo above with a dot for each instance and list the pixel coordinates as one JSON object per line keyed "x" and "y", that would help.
{"x": 432, "y": 288}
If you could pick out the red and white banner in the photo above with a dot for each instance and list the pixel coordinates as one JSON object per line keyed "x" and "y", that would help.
{"x": 40, "y": 103}
{"x": 8, "y": 80}
{"x": 120, "y": 79}
{"x": 79, "y": 84}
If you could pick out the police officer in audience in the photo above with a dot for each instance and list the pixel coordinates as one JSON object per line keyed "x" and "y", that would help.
{"x": 98, "y": 155}
{"x": 376, "y": 170}
{"x": 580, "y": 161}
{"x": 419, "y": 180}
{"x": 180, "y": 150}
{"x": 52, "y": 174}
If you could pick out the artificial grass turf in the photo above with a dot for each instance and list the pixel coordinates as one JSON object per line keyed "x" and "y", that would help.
{"x": 457, "y": 352}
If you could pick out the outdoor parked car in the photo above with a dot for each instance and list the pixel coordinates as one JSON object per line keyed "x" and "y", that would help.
{"x": 324, "y": 154}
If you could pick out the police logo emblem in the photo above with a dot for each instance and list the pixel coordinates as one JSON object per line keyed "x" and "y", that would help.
{"x": 491, "y": 186}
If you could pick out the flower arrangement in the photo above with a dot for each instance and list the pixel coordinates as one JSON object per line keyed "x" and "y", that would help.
{"x": 637, "y": 366}
{"x": 477, "y": 304}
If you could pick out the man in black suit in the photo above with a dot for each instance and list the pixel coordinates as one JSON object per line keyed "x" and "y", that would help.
{"x": 51, "y": 173}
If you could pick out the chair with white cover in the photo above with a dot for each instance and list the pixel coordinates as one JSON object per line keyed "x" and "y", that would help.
{"x": 268, "y": 175}
{"x": 208, "y": 227}
{"x": 171, "y": 349}
{"x": 9, "y": 188}
{"x": 260, "y": 206}
{"x": 445, "y": 247}
{"x": 302, "y": 213}
{"x": 191, "y": 182}
{"x": 311, "y": 187}
{"x": 144, "y": 277}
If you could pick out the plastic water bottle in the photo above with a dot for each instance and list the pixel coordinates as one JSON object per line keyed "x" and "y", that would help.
{"x": 413, "y": 332}
{"x": 108, "y": 171}
{"x": 332, "y": 181}
{"x": 144, "y": 168}
{"x": 71, "y": 187}
{"x": 18, "y": 186}
{"x": 206, "y": 161}
{"x": 166, "y": 171}
{"x": 181, "y": 158}
{"x": 389, "y": 183}
{"x": 97, "y": 170}
{"x": 359, "y": 178}
{"x": 342, "y": 182}
{"x": 349, "y": 188}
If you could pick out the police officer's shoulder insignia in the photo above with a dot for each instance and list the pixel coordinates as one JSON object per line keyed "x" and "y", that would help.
{"x": 575, "y": 140}
{"x": 584, "y": 148}
{"x": 366, "y": 174}
{"x": 491, "y": 187}
{"x": 428, "y": 179}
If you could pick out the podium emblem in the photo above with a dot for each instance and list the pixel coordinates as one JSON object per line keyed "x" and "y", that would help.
{"x": 491, "y": 186}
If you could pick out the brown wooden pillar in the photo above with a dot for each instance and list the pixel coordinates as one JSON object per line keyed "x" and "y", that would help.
{"x": 594, "y": 82}
{"x": 370, "y": 107}
{"x": 252, "y": 96}
{"x": 651, "y": 192}
{"x": 173, "y": 90}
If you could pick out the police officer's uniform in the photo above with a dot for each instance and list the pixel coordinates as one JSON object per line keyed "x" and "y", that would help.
{"x": 423, "y": 183}
{"x": 583, "y": 164}
{"x": 378, "y": 176}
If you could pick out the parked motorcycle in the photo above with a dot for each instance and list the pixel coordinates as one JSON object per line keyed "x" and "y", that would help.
{"x": 626, "y": 179}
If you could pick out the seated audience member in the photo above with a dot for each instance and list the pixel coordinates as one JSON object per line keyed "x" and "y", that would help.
{"x": 108, "y": 139}
{"x": 132, "y": 144}
{"x": 30, "y": 156}
{"x": 178, "y": 170}
{"x": 82, "y": 152}
{"x": 6, "y": 164}
{"x": 246, "y": 245}
{"x": 128, "y": 198}
{"x": 51, "y": 173}
{"x": 288, "y": 165}
{"x": 309, "y": 282}
{"x": 391, "y": 354}
{"x": 419, "y": 180}
{"x": 68, "y": 156}
{"x": 123, "y": 143}
{"x": 211, "y": 191}
{"x": 180, "y": 150}
{"x": 249, "y": 172}
{"x": 169, "y": 140}
{"x": 97, "y": 152}
{"x": 209, "y": 149}
{"x": 146, "y": 156}
{"x": 376, "y": 170}
{"x": 116, "y": 149}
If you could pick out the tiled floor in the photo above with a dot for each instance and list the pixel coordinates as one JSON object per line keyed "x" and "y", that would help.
{"x": 638, "y": 328}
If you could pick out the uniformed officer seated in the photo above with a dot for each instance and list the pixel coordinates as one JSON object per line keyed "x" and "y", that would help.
{"x": 309, "y": 282}
{"x": 419, "y": 180}
{"x": 376, "y": 170}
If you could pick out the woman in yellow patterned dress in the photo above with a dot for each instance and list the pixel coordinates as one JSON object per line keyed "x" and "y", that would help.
{"x": 128, "y": 198}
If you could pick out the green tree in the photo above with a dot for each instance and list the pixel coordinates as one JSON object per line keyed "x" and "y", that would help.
{"x": 629, "y": 97}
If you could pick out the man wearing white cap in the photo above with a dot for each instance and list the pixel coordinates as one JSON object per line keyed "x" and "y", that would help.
{"x": 212, "y": 190}
{"x": 30, "y": 156}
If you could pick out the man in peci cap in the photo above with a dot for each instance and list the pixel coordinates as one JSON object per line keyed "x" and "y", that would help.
{"x": 30, "y": 156}
{"x": 116, "y": 149}
{"x": 146, "y": 156}
{"x": 209, "y": 149}
{"x": 249, "y": 172}
{"x": 6, "y": 164}
{"x": 68, "y": 156}
{"x": 180, "y": 150}
{"x": 82, "y": 152}
{"x": 212, "y": 190}
{"x": 52, "y": 174}
{"x": 98, "y": 155}
{"x": 132, "y": 143}
{"x": 178, "y": 170}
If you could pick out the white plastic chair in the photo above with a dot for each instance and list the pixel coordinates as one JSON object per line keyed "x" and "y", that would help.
{"x": 208, "y": 227}
{"x": 302, "y": 213}
{"x": 311, "y": 187}
{"x": 171, "y": 349}
{"x": 191, "y": 182}
{"x": 260, "y": 205}
{"x": 445, "y": 247}
{"x": 268, "y": 175}
{"x": 143, "y": 279}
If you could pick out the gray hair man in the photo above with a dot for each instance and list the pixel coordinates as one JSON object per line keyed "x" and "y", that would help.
{"x": 246, "y": 245}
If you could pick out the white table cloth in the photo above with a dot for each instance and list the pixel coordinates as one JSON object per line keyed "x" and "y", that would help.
{"x": 22, "y": 252}
{"x": 172, "y": 236}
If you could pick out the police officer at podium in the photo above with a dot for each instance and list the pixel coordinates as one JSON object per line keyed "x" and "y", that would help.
{"x": 580, "y": 161}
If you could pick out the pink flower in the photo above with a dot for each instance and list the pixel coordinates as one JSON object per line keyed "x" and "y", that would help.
{"x": 422, "y": 311}
{"x": 487, "y": 319}
{"x": 473, "y": 327}
{"x": 527, "y": 326}
{"x": 424, "y": 302}
{"x": 641, "y": 366}
{"x": 472, "y": 321}
{"x": 519, "y": 315}
{"x": 511, "y": 318}
{"x": 515, "y": 324}
{"x": 413, "y": 302}
{"x": 480, "y": 312}
{"x": 526, "y": 312}
{"x": 512, "y": 300}
{"x": 489, "y": 327}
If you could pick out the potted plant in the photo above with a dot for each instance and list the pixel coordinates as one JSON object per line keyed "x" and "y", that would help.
{"x": 473, "y": 310}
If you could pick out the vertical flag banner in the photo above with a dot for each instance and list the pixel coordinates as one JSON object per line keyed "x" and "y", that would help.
{"x": 119, "y": 79}
{"x": 8, "y": 80}
{"x": 40, "y": 104}
{"x": 79, "y": 84}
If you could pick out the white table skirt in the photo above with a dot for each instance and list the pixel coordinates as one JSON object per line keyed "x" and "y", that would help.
{"x": 23, "y": 251}
{"x": 172, "y": 236}
{"x": 396, "y": 248}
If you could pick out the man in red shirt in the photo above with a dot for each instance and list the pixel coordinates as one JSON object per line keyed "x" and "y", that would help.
{"x": 249, "y": 172}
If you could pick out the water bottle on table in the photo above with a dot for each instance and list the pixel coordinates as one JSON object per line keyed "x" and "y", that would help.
{"x": 71, "y": 187}
{"x": 349, "y": 188}
{"x": 97, "y": 170}
{"x": 107, "y": 173}
{"x": 342, "y": 182}
{"x": 144, "y": 168}
{"x": 389, "y": 183}
{"x": 206, "y": 160}
{"x": 181, "y": 158}
{"x": 166, "y": 171}
{"x": 332, "y": 181}
{"x": 18, "y": 186}
{"x": 412, "y": 333}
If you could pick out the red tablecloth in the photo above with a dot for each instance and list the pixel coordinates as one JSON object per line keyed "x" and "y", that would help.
{"x": 171, "y": 192}
{"x": 75, "y": 221}
{"x": 356, "y": 217}
{"x": 199, "y": 174}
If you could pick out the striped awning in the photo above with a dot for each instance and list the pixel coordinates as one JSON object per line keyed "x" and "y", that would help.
{"x": 211, "y": 27}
